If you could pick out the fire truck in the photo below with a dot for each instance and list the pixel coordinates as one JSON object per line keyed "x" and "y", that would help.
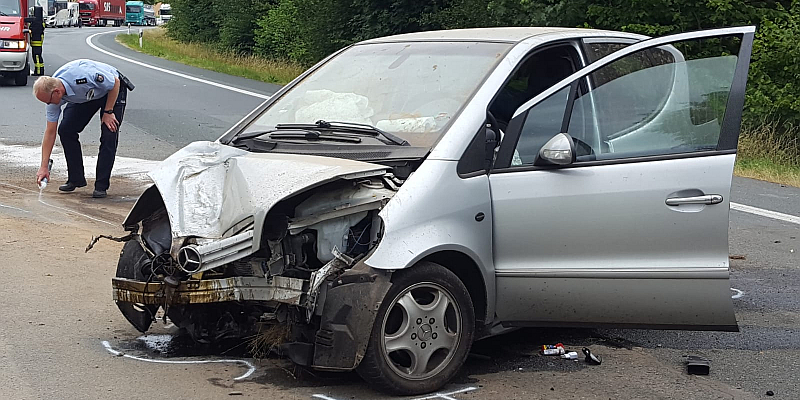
{"x": 102, "y": 12}
{"x": 15, "y": 49}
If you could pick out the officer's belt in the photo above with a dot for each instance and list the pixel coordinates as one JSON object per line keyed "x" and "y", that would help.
{"x": 124, "y": 79}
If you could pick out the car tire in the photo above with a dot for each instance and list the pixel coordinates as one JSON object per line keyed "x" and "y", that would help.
{"x": 427, "y": 313}
{"x": 21, "y": 77}
{"x": 131, "y": 258}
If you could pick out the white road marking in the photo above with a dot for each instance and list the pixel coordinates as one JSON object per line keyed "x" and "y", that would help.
{"x": 447, "y": 395}
{"x": 118, "y": 353}
{"x": 14, "y": 208}
{"x": 207, "y": 82}
{"x": 766, "y": 213}
{"x": 56, "y": 207}
{"x": 442, "y": 396}
{"x": 738, "y": 294}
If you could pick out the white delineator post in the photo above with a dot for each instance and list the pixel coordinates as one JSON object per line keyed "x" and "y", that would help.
{"x": 140, "y": 38}
{"x": 129, "y": 28}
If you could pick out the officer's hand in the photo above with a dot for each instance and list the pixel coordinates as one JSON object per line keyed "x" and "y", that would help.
{"x": 43, "y": 173}
{"x": 110, "y": 121}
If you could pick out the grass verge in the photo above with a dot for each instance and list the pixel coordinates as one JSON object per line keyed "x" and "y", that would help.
{"x": 157, "y": 43}
{"x": 769, "y": 154}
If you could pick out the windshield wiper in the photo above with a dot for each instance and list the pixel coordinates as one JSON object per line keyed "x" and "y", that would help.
{"x": 347, "y": 127}
{"x": 315, "y": 135}
{"x": 297, "y": 133}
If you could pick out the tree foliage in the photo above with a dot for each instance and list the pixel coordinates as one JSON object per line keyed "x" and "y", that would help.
{"x": 306, "y": 31}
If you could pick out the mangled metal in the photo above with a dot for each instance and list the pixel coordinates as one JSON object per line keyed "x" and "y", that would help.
{"x": 249, "y": 235}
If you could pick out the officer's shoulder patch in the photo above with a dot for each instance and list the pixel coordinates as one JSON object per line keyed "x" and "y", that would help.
{"x": 99, "y": 78}
{"x": 80, "y": 81}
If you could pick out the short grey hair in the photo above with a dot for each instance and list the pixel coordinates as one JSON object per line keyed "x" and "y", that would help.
{"x": 45, "y": 84}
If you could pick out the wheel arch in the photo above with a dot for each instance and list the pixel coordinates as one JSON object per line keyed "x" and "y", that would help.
{"x": 468, "y": 271}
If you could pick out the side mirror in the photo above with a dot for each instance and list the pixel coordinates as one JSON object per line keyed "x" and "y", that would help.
{"x": 559, "y": 150}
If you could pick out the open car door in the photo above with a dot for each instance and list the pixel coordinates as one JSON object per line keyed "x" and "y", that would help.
{"x": 622, "y": 218}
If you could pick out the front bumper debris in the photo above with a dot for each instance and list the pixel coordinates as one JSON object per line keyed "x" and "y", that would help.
{"x": 276, "y": 289}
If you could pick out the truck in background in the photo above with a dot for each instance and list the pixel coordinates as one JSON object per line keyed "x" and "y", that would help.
{"x": 102, "y": 12}
{"x": 136, "y": 13}
{"x": 67, "y": 14}
{"x": 164, "y": 13}
{"x": 15, "y": 49}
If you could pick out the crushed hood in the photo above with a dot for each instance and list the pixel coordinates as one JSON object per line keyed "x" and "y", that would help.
{"x": 207, "y": 187}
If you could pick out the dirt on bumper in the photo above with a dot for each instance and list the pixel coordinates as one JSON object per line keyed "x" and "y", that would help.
{"x": 277, "y": 289}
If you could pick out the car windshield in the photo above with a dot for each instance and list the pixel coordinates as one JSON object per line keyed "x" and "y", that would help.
{"x": 87, "y": 6}
{"x": 9, "y": 7}
{"x": 408, "y": 89}
{"x": 133, "y": 9}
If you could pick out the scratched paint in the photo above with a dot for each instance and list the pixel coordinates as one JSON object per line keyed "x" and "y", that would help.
{"x": 250, "y": 366}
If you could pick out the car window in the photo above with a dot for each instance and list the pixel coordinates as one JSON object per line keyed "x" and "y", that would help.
{"x": 411, "y": 89}
{"x": 542, "y": 123}
{"x": 655, "y": 102}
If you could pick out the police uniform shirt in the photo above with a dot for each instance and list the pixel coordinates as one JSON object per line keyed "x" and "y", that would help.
{"x": 84, "y": 80}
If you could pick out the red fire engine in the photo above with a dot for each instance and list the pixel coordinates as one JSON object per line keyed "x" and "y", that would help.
{"x": 15, "y": 46}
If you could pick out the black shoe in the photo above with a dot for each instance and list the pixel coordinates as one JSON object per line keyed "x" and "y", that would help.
{"x": 69, "y": 186}
{"x": 99, "y": 194}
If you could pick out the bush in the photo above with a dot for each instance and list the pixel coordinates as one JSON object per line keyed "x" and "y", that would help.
{"x": 773, "y": 86}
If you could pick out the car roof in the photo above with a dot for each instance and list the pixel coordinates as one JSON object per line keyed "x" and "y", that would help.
{"x": 508, "y": 34}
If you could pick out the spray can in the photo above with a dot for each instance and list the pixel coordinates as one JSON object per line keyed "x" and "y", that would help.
{"x": 553, "y": 349}
{"x": 43, "y": 183}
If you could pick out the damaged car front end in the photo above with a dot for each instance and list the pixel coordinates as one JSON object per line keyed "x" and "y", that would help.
{"x": 255, "y": 252}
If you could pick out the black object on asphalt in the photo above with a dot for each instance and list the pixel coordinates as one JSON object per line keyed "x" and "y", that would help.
{"x": 769, "y": 393}
{"x": 696, "y": 365}
{"x": 591, "y": 358}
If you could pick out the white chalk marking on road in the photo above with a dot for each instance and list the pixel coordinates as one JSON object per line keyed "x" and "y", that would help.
{"x": 14, "y": 208}
{"x": 442, "y": 396}
{"x": 207, "y": 82}
{"x": 738, "y": 294}
{"x": 323, "y": 397}
{"x": 56, "y": 207}
{"x": 446, "y": 396}
{"x": 766, "y": 213}
{"x": 118, "y": 353}
{"x": 67, "y": 210}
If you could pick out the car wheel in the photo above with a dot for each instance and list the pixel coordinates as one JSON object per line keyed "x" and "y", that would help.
{"x": 129, "y": 266}
{"x": 422, "y": 333}
{"x": 21, "y": 77}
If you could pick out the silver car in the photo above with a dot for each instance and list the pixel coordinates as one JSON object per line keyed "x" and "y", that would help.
{"x": 409, "y": 195}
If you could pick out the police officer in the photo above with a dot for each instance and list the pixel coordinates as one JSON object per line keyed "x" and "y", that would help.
{"x": 37, "y": 39}
{"x": 85, "y": 86}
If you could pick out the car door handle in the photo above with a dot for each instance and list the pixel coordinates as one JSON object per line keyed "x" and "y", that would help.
{"x": 707, "y": 199}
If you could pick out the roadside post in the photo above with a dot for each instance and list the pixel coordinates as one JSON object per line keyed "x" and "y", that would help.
{"x": 140, "y": 38}
{"x": 129, "y": 28}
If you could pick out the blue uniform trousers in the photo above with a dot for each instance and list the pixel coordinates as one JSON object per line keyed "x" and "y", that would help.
{"x": 75, "y": 118}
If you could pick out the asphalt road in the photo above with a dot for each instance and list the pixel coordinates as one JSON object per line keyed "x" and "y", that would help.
{"x": 167, "y": 111}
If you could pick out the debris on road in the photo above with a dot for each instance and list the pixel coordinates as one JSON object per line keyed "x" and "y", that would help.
{"x": 553, "y": 349}
{"x": 770, "y": 393}
{"x": 737, "y": 257}
{"x": 696, "y": 365}
{"x": 572, "y": 355}
{"x": 591, "y": 358}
